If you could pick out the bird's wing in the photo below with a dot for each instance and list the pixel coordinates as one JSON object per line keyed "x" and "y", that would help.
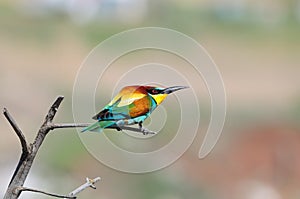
{"x": 111, "y": 114}
{"x": 120, "y": 105}
{"x": 126, "y": 97}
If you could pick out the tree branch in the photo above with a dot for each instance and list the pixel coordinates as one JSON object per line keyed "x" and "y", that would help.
{"x": 89, "y": 183}
{"x": 29, "y": 153}
{"x": 21, "y": 189}
{"x": 53, "y": 109}
{"x": 26, "y": 160}
{"x": 68, "y": 125}
{"x": 18, "y": 131}
{"x": 78, "y": 125}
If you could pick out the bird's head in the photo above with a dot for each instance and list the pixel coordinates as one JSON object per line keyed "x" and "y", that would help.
{"x": 159, "y": 94}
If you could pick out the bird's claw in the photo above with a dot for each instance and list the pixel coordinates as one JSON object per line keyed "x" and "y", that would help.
{"x": 144, "y": 130}
{"x": 147, "y": 132}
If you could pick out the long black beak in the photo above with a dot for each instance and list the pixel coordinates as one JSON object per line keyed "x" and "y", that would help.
{"x": 173, "y": 89}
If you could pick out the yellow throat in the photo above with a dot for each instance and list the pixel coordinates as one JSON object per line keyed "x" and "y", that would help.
{"x": 159, "y": 98}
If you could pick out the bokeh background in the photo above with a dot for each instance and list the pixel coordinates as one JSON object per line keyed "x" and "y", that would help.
{"x": 256, "y": 45}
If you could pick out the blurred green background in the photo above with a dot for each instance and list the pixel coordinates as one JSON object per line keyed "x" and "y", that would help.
{"x": 256, "y": 45}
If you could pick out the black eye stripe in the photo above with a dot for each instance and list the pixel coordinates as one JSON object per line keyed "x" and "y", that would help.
{"x": 154, "y": 91}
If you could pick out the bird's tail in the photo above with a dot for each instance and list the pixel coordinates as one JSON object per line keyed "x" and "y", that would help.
{"x": 98, "y": 126}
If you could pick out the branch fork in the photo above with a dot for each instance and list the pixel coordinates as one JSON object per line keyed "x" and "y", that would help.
{"x": 29, "y": 152}
{"x": 89, "y": 183}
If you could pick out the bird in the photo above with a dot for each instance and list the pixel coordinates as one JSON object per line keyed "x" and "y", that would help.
{"x": 132, "y": 105}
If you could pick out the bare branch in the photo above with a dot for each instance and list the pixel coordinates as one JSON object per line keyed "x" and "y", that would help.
{"x": 89, "y": 183}
{"x": 78, "y": 125}
{"x": 20, "y": 189}
{"x": 53, "y": 109}
{"x": 26, "y": 161}
{"x": 139, "y": 130}
{"x": 25, "y": 147}
{"x": 68, "y": 125}
{"x": 17, "y": 130}
{"x": 29, "y": 153}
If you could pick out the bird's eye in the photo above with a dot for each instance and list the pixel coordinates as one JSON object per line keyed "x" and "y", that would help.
{"x": 154, "y": 91}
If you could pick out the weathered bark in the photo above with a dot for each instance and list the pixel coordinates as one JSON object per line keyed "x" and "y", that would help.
{"x": 30, "y": 151}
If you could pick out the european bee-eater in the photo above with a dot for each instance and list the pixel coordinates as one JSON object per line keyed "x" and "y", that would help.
{"x": 132, "y": 105}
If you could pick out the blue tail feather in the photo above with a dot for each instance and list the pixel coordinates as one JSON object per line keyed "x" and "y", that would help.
{"x": 98, "y": 126}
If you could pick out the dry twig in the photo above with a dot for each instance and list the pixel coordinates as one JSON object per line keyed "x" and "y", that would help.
{"x": 89, "y": 183}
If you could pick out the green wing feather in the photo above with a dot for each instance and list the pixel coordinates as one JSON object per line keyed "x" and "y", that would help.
{"x": 117, "y": 109}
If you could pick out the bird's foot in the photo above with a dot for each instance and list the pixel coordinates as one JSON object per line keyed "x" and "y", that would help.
{"x": 120, "y": 123}
{"x": 147, "y": 132}
{"x": 144, "y": 130}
